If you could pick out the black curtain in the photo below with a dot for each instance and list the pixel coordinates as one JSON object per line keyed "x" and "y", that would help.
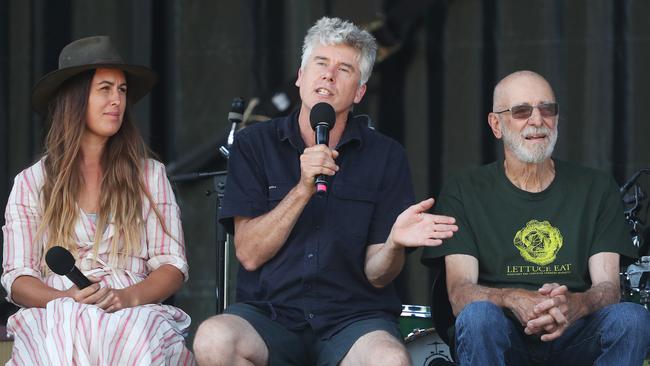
{"x": 594, "y": 53}
{"x": 4, "y": 102}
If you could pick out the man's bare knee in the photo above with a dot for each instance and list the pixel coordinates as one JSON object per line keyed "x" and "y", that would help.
{"x": 214, "y": 341}
{"x": 228, "y": 340}
{"x": 377, "y": 348}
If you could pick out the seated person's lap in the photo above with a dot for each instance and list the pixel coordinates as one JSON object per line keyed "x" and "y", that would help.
{"x": 302, "y": 347}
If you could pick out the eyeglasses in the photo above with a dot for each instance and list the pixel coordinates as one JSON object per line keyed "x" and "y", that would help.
{"x": 524, "y": 111}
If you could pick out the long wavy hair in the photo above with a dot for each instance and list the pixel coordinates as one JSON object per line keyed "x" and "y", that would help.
{"x": 122, "y": 182}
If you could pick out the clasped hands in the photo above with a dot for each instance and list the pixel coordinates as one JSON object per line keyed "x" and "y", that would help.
{"x": 545, "y": 312}
{"x": 106, "y": 298}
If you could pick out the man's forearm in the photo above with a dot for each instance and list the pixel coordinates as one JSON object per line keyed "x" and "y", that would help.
{"x": 466, "y": 293}
{"x": 594, "y": 299}
{"x": 385, "y": 263}
{"x": 258, "y": 239}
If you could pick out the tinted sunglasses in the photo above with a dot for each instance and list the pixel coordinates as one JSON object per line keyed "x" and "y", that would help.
{"x": 524, "y": 111}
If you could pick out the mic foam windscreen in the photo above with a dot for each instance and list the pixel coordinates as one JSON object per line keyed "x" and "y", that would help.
{"x": 236, "y": 114}
{"x": 60, "y": 260}
{"x": 237, "y": 105}
{"x": 322, "y": 113}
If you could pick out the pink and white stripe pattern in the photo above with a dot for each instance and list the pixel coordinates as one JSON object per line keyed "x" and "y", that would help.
{"x": 69, "y": 333}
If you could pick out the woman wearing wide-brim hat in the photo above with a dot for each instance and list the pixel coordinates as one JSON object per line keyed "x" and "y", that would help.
{"x": 96, "y": 193}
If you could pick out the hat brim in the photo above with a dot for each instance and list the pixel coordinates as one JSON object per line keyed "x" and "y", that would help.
{"x": 140, "y": 79}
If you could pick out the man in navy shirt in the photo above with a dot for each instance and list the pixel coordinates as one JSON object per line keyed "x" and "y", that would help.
{"x": 316, "y": 280}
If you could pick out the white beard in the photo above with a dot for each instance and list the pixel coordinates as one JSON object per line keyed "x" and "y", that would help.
{"x": 530, "y": 154}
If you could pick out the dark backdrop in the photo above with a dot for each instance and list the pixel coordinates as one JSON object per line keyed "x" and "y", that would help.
{"x": 431, "y": 90}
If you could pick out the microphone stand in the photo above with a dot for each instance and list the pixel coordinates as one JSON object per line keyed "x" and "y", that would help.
{"x": 222, "y": 238}
{"x": 223, "y": 246}
{"x": 225, "y": 271}
{"x": 224, "y": 254}
{"x": 632, "y": 204}
{"x": 195, "y": 176}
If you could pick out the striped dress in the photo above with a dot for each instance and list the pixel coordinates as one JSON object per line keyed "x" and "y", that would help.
{"x": 70, "y": 333}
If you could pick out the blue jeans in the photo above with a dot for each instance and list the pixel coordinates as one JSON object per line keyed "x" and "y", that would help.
{"x": 618, "y": 334}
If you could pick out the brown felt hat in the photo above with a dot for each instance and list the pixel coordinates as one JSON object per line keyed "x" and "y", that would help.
{"x": 88, "y": 54}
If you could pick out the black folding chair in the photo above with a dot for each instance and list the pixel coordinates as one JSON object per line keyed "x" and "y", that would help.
{"x": 441, "y": 312}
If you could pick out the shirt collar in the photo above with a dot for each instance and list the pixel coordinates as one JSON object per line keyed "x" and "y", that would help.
{"x": 289, "y": 129}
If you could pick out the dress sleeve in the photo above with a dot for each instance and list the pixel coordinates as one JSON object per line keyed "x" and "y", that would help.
{"x": 22, "y": 252}
{"x": 163, "y": 247}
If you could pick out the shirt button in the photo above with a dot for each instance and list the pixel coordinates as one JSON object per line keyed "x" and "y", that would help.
{"x": 311, "y": 316}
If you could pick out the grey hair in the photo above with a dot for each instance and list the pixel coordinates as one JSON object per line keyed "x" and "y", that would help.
{"x": 335, "y": 31}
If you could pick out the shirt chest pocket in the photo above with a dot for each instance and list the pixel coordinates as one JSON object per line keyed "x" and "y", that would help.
{"x": 277, "y": 192}
{"x": 352, "y": 209}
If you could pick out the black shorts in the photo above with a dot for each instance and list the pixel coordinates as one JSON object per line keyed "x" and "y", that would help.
{"x": 303, "y": 347}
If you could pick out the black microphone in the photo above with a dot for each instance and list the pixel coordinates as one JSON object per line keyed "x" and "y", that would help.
{"x": 631, "y": 181}
{"x": 61, "y": 262}
{"x": 235, "y": 116}
{"x": 322, "y": 119}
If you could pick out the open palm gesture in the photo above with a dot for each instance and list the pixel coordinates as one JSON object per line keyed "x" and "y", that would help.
{"x": 415, "y": 227}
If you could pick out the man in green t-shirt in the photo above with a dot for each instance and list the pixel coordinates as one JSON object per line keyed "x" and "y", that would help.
{"x": 533, "y": 271}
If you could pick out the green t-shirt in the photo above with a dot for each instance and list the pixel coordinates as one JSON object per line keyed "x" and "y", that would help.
{"x": 524, "y": 239}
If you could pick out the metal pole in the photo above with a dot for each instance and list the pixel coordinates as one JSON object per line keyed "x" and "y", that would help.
{"x": 222, "y": 246}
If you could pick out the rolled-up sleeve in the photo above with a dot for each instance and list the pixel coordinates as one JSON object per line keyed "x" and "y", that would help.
{"x": 22, "y": 251}
{"x": 163, "y": 247}
{"x": 247, "y": 190}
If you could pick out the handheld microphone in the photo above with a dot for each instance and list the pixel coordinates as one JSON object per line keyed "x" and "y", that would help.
{"x": 61, "y": 262}
{"x": 235, "y": 116}
{"x": 322, "y": 119}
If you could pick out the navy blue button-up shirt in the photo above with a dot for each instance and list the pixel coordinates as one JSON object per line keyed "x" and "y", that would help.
{"x": 317, "y": 278}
